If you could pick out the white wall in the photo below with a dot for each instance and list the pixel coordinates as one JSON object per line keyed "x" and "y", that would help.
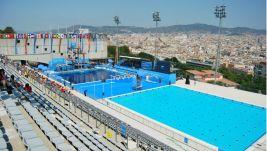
{"x": 96, "y": 49}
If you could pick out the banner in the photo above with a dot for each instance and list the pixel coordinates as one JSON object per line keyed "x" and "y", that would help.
{"x": 34, "y": 44}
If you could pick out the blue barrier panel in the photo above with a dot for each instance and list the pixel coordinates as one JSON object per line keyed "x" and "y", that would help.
{"x": 72, "y": 45}
{"x": 123, "y": 129}
{"x": 146, "y": 65}
{"x": 42, "y": 67}
{"x": 164, "y": 77}
{"x": 186, "y": 140}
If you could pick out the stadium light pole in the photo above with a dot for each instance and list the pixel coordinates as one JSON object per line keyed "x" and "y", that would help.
{"x": 117, "y": 22}
{"x": 219, "y": 13}
{"x": 156, "y": 19}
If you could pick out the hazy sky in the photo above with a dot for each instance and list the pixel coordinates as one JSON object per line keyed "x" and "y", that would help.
{"x": 34, "y": 15}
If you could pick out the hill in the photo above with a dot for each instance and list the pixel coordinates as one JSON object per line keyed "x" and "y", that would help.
{"x": 201, "y": 28}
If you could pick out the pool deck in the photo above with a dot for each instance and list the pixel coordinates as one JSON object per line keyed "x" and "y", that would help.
{"x": 234, "y": 94}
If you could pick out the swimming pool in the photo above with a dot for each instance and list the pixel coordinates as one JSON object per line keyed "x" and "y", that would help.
{"x": 82, "y": 76}
{"x": 227, "y": 124}
{"x": 89, "y": 82}
{"x": 113, "y": 87}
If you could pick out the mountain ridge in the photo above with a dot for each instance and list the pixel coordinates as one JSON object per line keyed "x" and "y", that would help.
{"x": 189, "y": 28}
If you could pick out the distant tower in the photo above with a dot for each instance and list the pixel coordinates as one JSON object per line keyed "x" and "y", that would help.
{"x": 156, "y": 19}
{"x": 117, "y": 22}
{"x": 219, "y": 13}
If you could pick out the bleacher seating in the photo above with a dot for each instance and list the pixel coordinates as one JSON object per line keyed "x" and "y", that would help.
{"x": 60, "y": 130}
{"x": 23, "y": 127}
{"x": 4, "y": 140}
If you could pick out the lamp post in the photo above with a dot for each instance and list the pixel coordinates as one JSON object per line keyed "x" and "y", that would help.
{"x": 219, "y": 13}
{"x": 156, "y": 19}
{"x": 117, "y": 22}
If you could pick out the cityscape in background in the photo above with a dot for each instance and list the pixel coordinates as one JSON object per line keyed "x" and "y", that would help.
{"x": 133, "y": 75}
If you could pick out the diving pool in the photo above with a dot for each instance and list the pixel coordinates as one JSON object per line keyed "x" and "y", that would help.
{"x": 98, "y": 89}
{"x": 227, "y": 124}
{"x": 82, "y": 76}
{"x": 90, "y": 82}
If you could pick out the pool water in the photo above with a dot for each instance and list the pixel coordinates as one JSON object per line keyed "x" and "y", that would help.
{"x": 98, "y": 89}
{"x": 227, "y": 124}
{"x": 83, "y": 76}
{"x": 89, "y": 82}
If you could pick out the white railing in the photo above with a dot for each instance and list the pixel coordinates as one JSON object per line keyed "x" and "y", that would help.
{"x": 174, "y": 134}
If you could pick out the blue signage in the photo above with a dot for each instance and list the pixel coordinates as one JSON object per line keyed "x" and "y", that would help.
{"x": 123, "y": 130}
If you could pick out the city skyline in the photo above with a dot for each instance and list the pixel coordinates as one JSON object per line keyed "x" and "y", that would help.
{"x": 45, "y": 15}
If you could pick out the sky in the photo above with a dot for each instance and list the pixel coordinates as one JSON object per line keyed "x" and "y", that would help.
{"x": 36, "y": 15}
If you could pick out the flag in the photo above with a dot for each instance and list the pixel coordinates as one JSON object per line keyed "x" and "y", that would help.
{"x": 16, "y": 51}
{"x": 59, "y": 44}
{"x": 51, "y": 44}
{"x": 88, "y": 39}
{"x": 34, "y": 44}
{"x": 25, "y": 45}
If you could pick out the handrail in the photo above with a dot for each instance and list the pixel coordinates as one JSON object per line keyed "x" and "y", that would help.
{"x": 109, "y": 120}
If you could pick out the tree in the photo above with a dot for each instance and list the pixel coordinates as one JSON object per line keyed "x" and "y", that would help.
{"x": 8, "y": 30}
{"x": 123, "y": 51}
{"x": 247, "y": 82}
{"x": 111, "y": 51}
{"x": 146, "y": 56}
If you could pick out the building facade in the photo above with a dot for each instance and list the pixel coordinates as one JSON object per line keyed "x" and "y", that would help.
{"x": 92, "y": 46}
{"x": 260, "y": 69}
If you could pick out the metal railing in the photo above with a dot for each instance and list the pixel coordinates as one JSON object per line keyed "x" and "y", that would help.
{"x": 104, "y": 117}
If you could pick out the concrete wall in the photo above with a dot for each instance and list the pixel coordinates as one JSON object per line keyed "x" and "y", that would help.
{"x": 32, "y": 48}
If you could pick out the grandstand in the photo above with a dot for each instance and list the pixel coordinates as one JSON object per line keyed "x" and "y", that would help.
{"x": 60, "y": 123}
{"x": 43, "y": 125}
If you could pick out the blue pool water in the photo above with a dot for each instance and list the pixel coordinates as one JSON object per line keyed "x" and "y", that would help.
{"x": 89, "y": 82}
{"x": 83, "y": 76}
{"x": 98, "y": 89}
{"x": 227, "y": 124}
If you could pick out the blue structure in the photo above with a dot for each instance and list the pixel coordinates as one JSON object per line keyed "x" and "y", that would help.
{"x": 54, "y": 62}
{"x": 42, "y": 67}
{"x": 107, "y": 81}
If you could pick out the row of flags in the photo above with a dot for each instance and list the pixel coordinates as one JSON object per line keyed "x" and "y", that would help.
{"x": 53, "y": 36}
